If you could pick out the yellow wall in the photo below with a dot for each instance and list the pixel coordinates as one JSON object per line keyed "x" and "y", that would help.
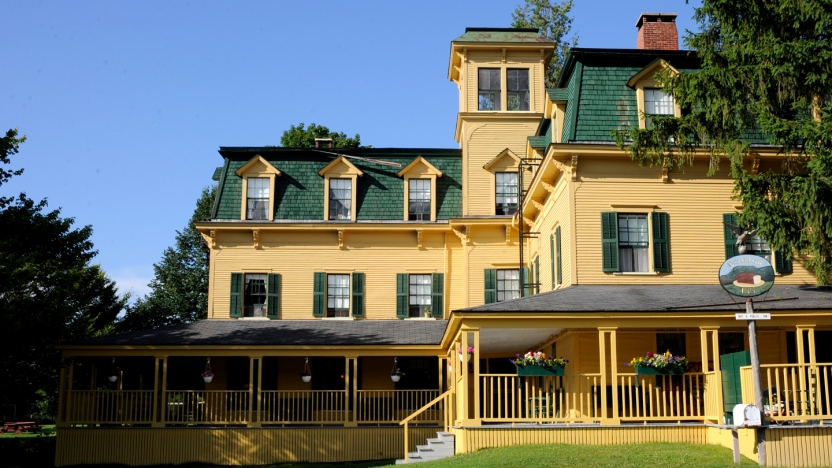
{"x": 233, "y": 446}
{"x": 556, "y": 212}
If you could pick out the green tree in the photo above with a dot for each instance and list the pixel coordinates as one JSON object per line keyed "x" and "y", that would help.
{"x": 552, "y": 20}
{"x": 9, "y": 145}
{"x": 179, "y": 290}
{"x": 49, "y": 293}
{"x": 766, "y": 76}
{"x": 300, "y": 137}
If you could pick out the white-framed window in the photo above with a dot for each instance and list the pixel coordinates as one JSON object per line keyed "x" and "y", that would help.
{"x": 489, "y": 86}
{"x": 507, "y": 193}
{"x": 508, "y": 284}
{"x": 337, "y": 295}
{"x": 517, "y": 97}
{"x": 419, "y": 296}
{"x": 419, "y": 198}
{"x": 340, "y": 198}
{"x": 633, "y": 243}
{"x": 257, "y": 198}
{"x": 657, "y": 102}
{"x": 254, "y": 295}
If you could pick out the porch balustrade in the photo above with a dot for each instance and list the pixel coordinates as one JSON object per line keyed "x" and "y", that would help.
{"x": 392, "y": 406}
{"x": 792, "y": 392}
{"x": 662, "y": 397}
{"x": 571, "y": 398}
{"x": 304, "y": 407}
{"x": 108, "y": 406}
{"x": 206, "y": 407}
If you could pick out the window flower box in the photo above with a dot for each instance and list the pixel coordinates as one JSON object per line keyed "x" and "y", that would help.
{"x": 540, "y": 371}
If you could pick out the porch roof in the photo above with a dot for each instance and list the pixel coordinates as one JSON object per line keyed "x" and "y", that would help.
{"x": 282, "y": 333}
{"x": 659, "y": 298}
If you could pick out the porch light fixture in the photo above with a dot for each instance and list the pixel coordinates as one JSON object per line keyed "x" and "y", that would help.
{"x": 113, "y": 377}
{"x": 396, "y": 374}
{"x": 208, "y": 375}
{"x": 306, "y": 376}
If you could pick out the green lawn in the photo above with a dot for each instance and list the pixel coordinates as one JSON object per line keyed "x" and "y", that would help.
{"x": 619, "y": 456}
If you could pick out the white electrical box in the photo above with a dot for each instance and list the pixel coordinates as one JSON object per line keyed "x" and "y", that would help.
{"x": 747, "y": 416}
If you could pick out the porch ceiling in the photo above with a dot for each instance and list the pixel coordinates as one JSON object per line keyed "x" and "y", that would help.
{"x": 513, "y": 340}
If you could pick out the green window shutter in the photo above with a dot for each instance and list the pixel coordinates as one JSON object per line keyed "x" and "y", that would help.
{"x": 731, "y": 249}
{"x": 236, "y": 295}
{"x": 782, "y": 262}
{"x": 536, "y": 287}
{"x": 609, "y": 240}
{"x": 402, "y": 294}
{"x": 524, "y": 285}
{"x": 560, "y": 267}
{"x": 661, "y": 250}
{"x": 273, "y": 292}
{"x": 490, "y": 285}
{"x": 358, "y": 294}
{"x": 437, "y": 295}
{"x": 319, "y": 295}
{"x": 552, "y": 254}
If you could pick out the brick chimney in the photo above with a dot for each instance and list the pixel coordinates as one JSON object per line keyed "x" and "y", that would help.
{"x": 657, "y": 31}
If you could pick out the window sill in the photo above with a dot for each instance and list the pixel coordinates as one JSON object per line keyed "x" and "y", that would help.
{"x": 253, "y": 318}
{"x": 636, "y": 273}
{"x": 338, "y": 318}
{"x": 421, "y": 318}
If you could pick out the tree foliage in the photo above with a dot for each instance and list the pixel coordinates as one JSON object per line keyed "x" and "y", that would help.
{"x": 9, "y": 145}
{"x": 179, "y": 290}
{"x": 300, "y": 137}
{"x": 766, "y": 76}
{"x": 49, "y": 293}
{"x": 552, "y": 20}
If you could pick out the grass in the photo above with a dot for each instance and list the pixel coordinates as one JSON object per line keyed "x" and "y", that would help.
{"x": 619, "y": 456}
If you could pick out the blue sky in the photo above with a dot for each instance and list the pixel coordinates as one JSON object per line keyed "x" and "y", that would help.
{"x": 126, "y": 103}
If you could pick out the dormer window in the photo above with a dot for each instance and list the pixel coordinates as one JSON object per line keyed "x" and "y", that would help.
{"x": 507, "y": 193}
{"x": 340, "y": 199}
{"x": 257, "y": 198}
{"x": 420, "y": 190}
{"x": 419, "y": 200}
{"x": 657, "y": 102}
{"x": 489, "y": 89}
{"x": 518, "y": 89}
{"x": 257, "y": 195}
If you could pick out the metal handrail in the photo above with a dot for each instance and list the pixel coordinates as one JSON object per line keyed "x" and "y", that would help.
{"x": 421, "y": 410}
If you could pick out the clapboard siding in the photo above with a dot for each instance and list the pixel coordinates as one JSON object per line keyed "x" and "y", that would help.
{"x": 556, "y": 209}
{"x": 488, "y": 249}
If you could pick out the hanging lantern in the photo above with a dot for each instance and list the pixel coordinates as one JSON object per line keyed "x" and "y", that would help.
{"x": 396, "y": 374}
{"x": 306, "y": 376}
{"x": 208, "y": 375}
{"x": 113, "y": 377}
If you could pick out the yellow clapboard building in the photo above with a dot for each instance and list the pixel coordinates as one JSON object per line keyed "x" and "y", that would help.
{"x": 363, "y": 300}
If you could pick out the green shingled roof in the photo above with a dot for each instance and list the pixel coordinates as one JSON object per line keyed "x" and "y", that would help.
{"x": 299, "y": 191}
{"x": 558, "y": 94}
{"x": 516, "y": 35}
{"x": 217, "y": 174}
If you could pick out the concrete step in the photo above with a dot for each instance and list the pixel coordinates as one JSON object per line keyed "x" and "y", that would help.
{"x": 440, "y": 447}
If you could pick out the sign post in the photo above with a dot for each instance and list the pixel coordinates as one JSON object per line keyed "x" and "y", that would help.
{"x": 749, "y": 276}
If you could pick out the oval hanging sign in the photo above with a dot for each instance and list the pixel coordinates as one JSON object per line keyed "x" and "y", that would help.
{"x": 746, "y": 275}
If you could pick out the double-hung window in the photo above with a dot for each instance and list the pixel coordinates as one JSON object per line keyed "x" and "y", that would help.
{"x": 337, "y": 295}
{"x": 419, "y": 200}
{"x": 254, "y": 295}
{"x": 657, "y": 102}
{"x": 506, "y": 195}
{"x": 257, "y": 198}
{"x": 508, "y": 284}
{"x": 633, "y": 242}
{"x": 419, "y": 296}
{"x": 489, "y": 89}
{"x": 340, "y": 198}
{"x": 517, "y": 98}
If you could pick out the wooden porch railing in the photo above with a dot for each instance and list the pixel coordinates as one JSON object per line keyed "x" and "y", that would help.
{"x": 205, "y": 406}
{"x": 304, "y": 407}
{"x": 440, "y": 404}
{"x": 108, "y": 406}
{"x": 571, "y": 398}
{"x": 391, "y": 406}
{"x": 792, "y": 392}
{"x": 662, "y": 397}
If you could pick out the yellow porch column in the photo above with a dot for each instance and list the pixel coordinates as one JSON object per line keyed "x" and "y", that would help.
{"x": 253, "y": 362}
{"x": 61, "y": 422}
{"x": 806, "y": 392}
{"x": 612, "y": 376}
{"x": 476, "y": 384}
{"x": 161, "y": 391}
{"x": 350, "y": 388}
{"x": 463, "y": 368}
{"x": 713, "y": 378}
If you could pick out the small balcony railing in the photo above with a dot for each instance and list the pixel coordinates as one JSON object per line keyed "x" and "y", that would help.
{"x": 792, "y": 392}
